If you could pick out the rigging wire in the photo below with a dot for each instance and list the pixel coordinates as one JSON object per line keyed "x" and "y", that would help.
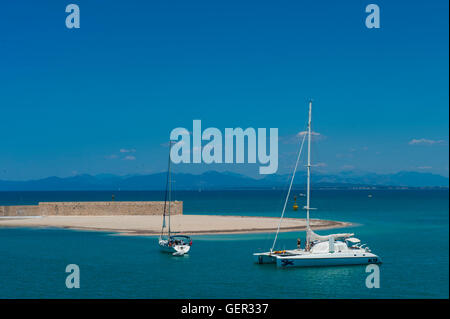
{"x": 289, "y": 191}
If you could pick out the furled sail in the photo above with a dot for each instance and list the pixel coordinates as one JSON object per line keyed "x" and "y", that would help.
{"x": 315, "y": 237}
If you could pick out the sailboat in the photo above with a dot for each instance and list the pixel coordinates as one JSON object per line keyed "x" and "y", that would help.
{"x": 329, "y": 250}
{"x": 177, "y": 245}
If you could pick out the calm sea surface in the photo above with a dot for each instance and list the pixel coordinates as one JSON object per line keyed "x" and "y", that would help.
{"x": 409, "y": 229}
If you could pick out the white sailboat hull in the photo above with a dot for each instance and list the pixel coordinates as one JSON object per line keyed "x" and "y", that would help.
{"x": 176, "y": 250}
{"x": 264, "y": 258}
{"x": 301, "y": 258}
{"x": 330, "y": 259}
{"x": 271, "y": 257}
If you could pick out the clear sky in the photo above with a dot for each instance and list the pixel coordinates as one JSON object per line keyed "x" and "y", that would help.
{"x": 104, "y": 98}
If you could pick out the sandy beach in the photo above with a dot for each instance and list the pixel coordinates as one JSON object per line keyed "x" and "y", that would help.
{"x": 187, "y": 224}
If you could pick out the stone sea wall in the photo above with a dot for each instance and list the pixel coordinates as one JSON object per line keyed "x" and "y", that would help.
{"x": 91, "y": 209}
{"x": 25, "y": 210}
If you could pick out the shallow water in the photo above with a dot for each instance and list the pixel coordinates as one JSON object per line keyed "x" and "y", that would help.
{"x": 408, "y": 229}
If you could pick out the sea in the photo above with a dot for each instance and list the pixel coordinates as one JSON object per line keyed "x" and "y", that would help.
{"x": 408, "y": 229}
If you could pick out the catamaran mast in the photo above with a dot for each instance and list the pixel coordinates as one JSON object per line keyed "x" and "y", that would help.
{"x": 308, "y": 187}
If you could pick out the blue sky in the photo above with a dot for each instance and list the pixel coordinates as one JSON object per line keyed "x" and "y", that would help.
{"x": 71, "y": 100}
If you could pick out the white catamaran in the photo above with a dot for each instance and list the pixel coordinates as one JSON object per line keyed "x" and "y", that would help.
{"x": 178, "y": 245}
{"x": 330, "y": 250}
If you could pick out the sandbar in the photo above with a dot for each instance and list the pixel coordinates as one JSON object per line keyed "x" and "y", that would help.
{"x": 146, "y": 225}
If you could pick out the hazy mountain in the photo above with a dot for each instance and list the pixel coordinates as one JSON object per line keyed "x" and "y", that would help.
{"x": 216, "y": 180}
{"x": 408, "y": 179}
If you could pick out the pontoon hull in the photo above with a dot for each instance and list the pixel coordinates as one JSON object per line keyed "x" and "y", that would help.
{"x": 271, "y": 257}
{"x": 324, "y": 260}
{"x": 264, "y": 258}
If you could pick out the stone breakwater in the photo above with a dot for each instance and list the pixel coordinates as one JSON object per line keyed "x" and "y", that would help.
{"x": 91, "y": 209}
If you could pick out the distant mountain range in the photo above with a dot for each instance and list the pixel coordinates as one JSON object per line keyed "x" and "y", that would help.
{"x": 227, "y": 180}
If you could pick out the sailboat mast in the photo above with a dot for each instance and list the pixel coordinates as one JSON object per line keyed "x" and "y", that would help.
{"x": 169, "y": 183}
{"x": 308, "y": 187}
{"x": 165, "y": 194}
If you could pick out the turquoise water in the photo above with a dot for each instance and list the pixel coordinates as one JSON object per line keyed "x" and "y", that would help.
{"x": 407, "y": 228}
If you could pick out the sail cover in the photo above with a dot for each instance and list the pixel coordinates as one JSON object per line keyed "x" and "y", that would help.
{"x": 315, "y": 237}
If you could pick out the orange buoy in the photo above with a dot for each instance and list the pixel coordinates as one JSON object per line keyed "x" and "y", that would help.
{"x": 295, "y": 207}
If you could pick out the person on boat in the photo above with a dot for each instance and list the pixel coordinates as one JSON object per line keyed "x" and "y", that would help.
{"x": 299, "y": 243}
